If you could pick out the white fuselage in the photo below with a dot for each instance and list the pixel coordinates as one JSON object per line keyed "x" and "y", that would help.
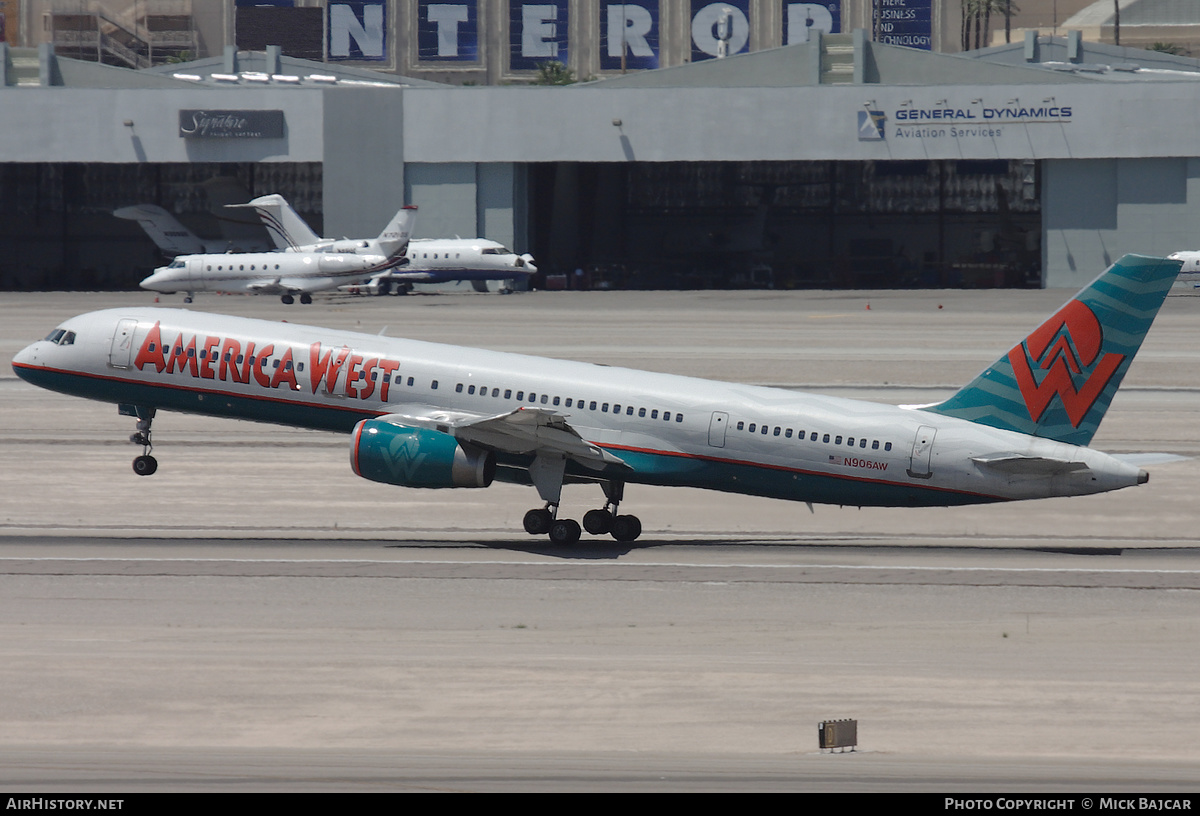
{"x": 667, "y": 429}
{"x": 265, "y": 272}
{"x": 437, "y": 260}
{"x": 1190, "y": 271}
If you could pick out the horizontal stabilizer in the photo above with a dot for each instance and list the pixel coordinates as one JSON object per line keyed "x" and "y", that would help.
{"x": 1144, "y": 459}
{"x": 1020, "y": 465}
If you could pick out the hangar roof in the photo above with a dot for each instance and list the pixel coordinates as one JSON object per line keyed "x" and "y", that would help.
{"x": 1074, "y": 55}
{"x": 271, "y": 67}
{"x": 41, "y": 67}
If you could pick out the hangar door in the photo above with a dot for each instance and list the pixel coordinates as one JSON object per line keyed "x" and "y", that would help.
{"x": 788, "y": 224}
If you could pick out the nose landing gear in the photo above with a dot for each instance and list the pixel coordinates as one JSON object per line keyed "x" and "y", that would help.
{"x": 144, "y": 465}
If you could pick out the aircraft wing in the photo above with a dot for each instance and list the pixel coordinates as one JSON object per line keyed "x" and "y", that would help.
{"x": 287, "y": 286}
{"x": 525, "y": 430}
{"x": 267, "y": 286}
{"x": 399, "y": 273}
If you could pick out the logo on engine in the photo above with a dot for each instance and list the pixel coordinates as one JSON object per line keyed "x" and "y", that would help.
{"x": 1067, "y": 347}
{"x": 404, "y": 457}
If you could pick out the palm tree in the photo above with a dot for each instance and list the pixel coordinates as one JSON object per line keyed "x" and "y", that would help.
{"x": 978, "y": 13}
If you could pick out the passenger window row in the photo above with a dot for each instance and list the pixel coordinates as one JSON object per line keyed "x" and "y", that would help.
{"x": 533, "y": 397}
{"x": 813, "y": 436}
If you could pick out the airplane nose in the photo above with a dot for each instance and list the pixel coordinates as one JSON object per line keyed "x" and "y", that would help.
{"x": 155, "y": 281}
{"x": 27, "y": 356}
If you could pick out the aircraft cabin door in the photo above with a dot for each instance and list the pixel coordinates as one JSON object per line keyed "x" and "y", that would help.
{"x": 922, "y": 452}
{"x": 716, "y": 429}
{"x": 194, "y": 272}
{"x": 121, "y": 353}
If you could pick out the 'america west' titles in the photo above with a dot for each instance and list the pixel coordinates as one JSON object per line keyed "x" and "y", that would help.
{"x": 227, "y": 360}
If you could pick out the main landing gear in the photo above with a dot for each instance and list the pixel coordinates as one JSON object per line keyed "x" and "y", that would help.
{"x": 143, "y": 465}
{"x": 305, "y": 298}
{"x": 545, "y": 521}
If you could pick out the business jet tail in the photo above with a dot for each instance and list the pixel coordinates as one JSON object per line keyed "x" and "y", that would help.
{"x": 285, "y": 226}
{"x": 393, "y": 241}
{"x": 171, "y": 237}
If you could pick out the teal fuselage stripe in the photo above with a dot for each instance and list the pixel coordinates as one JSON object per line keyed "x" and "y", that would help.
{"x": 646, "y": 467}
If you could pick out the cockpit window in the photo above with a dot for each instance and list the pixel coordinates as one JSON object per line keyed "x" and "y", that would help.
{"x": 496, "y": 251}
{"x": 61, "y": 337}
{"x": 176, "y": 264}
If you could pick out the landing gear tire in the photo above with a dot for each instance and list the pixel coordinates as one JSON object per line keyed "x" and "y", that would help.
{"x": 306, "y": 298}
{"x": 626, "y": 528}
{"x": 564, "y": 531}
{"x": 538, "y": 521}
{"x": 145, "y": 465}
{"x": 288, "y": 299}
{"x": 597, "y": 522}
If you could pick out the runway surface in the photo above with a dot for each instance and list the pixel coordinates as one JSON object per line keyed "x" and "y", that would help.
{"x": 255, "y": 617}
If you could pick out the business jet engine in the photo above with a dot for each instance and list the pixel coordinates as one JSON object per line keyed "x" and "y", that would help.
{"x": 414, "y": 457}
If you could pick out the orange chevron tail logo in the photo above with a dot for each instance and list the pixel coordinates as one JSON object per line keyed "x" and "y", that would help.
{"x": 1070, "y": 342}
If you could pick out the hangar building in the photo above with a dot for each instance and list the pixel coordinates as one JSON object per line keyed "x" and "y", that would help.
{"x": 834, "y": 162}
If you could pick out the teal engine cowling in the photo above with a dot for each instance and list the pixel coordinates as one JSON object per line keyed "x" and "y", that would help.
{"x": 415, "y": 457}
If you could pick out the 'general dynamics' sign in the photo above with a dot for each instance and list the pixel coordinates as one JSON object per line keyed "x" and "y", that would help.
{"x": 977, "y": 120}
{"x": 231, "y": 124}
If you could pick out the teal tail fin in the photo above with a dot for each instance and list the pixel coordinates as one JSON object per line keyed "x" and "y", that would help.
{"x": 1059, "y": 381}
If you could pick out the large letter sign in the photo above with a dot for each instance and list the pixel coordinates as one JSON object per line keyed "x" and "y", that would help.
{"x": 801, "y": 19}
{"x": 707, "y": 28}
{"x": 537, "y": 33}
{"x": 356, "y": 31}
{"x": 447, "y": 32}
{"x": 630, "y": 29}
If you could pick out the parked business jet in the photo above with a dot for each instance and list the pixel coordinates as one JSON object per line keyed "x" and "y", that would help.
{"x": 430, "y": 260}
{"x": 173, "y": 238}
{"x": 1190, "y": 271}
{"x": 288, "y": 274}
{"x": 427, "y": 415}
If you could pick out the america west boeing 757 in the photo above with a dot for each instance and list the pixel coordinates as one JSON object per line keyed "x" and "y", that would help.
{"x": 426, "y": 415}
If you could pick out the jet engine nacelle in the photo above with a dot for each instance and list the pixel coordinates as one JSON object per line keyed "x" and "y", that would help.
{"x": 352, "y": 247}
{"x": 415, "y": 457}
